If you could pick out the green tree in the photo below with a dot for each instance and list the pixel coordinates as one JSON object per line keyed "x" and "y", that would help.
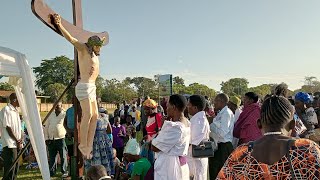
{"x": 201, "y": 89}
{"x": 4, "y": 86}
{"x": 145, "y": 86}
{"x": 55, "y": 90}
{"x": 110, "y": 93}
{"x": 100, "y": 84}
{"x": 116, "y": 91}
{"x": 57, "y": 70}
{"x": 179, "y": 89}
{"x": 178, "y": 80}
{"x": 311, "y": 85}
{"x": 235, "y": 86}
{"x": 262, "y": 90}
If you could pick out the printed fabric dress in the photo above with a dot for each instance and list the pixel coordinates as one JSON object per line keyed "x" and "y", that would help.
{"x": 304, "y": 156}
{"x": 102, "y": 148}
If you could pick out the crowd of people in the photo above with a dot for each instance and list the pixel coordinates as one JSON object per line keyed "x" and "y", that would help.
{"x": 252, "y": 136}
{"x": 274, "y": 137}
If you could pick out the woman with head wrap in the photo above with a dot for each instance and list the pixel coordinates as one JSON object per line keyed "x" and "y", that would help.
{"x": 140, "y": 165}
{"x": 152, "y": 127}
{"x": 307, "y": 115}
{"x": 154, "y": 121}
{"x": 276, "y": 155}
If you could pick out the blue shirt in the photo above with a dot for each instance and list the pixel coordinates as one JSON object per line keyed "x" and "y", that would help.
{"x": 70, "y": 118}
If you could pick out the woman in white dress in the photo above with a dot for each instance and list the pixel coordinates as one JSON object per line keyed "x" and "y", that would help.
{"x": 171, "y": 145}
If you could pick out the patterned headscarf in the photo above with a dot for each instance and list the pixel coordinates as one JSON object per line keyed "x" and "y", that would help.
{"x": 303, "y": 97}
{"x": 150, "y": 103}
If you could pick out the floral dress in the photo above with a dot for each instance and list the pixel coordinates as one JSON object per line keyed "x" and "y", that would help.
{"x": 102, "y": 148}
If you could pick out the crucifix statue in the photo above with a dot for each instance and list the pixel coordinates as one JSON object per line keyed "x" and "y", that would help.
{"x": 87, "y": 46}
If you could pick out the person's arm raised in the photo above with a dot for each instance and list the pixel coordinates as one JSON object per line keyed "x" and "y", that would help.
{"x": 66, "y": 34}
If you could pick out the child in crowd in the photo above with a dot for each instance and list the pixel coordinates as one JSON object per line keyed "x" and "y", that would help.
{"x": 118, "y": 134}
{"x": 97, "y": 172}
{"x": 130, "y": 129}
{"x": 138, "y": 167}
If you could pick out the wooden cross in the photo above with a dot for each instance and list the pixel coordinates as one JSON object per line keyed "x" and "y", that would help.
{"x": 44, "y": 13}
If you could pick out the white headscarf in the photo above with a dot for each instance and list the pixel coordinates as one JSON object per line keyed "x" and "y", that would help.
{"x": 132, "y": 147}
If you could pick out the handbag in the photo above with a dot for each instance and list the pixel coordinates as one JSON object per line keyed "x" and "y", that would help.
{"x": 316, "y": 136}
{"x": 204, "y": 149}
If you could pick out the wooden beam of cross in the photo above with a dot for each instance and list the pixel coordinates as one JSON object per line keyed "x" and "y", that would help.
{"x": 44, "y": 13}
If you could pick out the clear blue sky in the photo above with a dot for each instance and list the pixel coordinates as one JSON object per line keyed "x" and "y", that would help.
{"x": 206, "y": 41}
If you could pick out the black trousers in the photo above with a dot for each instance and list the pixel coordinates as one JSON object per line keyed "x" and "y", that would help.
{"x": 9, "y": 155}
{"x": 220, "y": 156}
{"x": 55, "y": 146}
{"x": 120, "y": 153}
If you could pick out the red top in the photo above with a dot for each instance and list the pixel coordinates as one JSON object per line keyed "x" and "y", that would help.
{"x": 154, "y": 124}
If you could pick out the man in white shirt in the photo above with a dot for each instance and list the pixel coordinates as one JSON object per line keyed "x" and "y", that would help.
{"x": 55, "y": 133}
{"x": 200, "y": 130}
{"x": 11, "y": 136}
{"x": 221, "y": 132}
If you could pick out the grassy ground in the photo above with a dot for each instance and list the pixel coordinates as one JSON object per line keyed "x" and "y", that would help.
{"x": 34, "y": 174}
{"x": 30, "y": 174}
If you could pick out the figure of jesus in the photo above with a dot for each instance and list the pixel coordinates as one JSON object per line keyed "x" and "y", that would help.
{"x": 85, "y": 89}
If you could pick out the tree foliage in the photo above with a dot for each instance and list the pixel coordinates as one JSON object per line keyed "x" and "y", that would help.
{"x": 57, "y": 70}
{"x": 55, "y": 90}
{"x": 201, "y": 89}
{"x": 4, "y": 86}
{"x": 311, "y": 85}
{"x": 53, "y": 75}
{"x": 144, "y": 86}
{"x": 100, "y": 84}
{"x": 178, "y": 80}
{"x": 116, "y": 91}
{"x": 262, "y": 90}
{"x": 235, "y": 86}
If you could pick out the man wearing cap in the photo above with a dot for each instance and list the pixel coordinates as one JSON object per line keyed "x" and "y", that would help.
{"x": 234, "y": 105}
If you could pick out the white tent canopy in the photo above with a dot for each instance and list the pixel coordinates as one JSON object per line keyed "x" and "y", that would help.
{"x": 14, "y": 65}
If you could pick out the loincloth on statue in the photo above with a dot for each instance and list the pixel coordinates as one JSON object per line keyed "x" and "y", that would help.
{"x": 86, "y": 91}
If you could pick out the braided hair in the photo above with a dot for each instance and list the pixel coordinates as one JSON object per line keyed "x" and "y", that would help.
{"x": 276, "y": 111}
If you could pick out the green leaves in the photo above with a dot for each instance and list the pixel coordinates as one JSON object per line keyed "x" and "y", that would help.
{"x": 235, "y": 86}
{"x": 54, "y": 73}
{"x": 56, "y": 70}
{"x": 6, "y": 86}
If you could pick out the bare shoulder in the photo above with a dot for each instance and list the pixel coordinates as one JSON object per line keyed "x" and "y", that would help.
{"x": 79, "y": 45}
